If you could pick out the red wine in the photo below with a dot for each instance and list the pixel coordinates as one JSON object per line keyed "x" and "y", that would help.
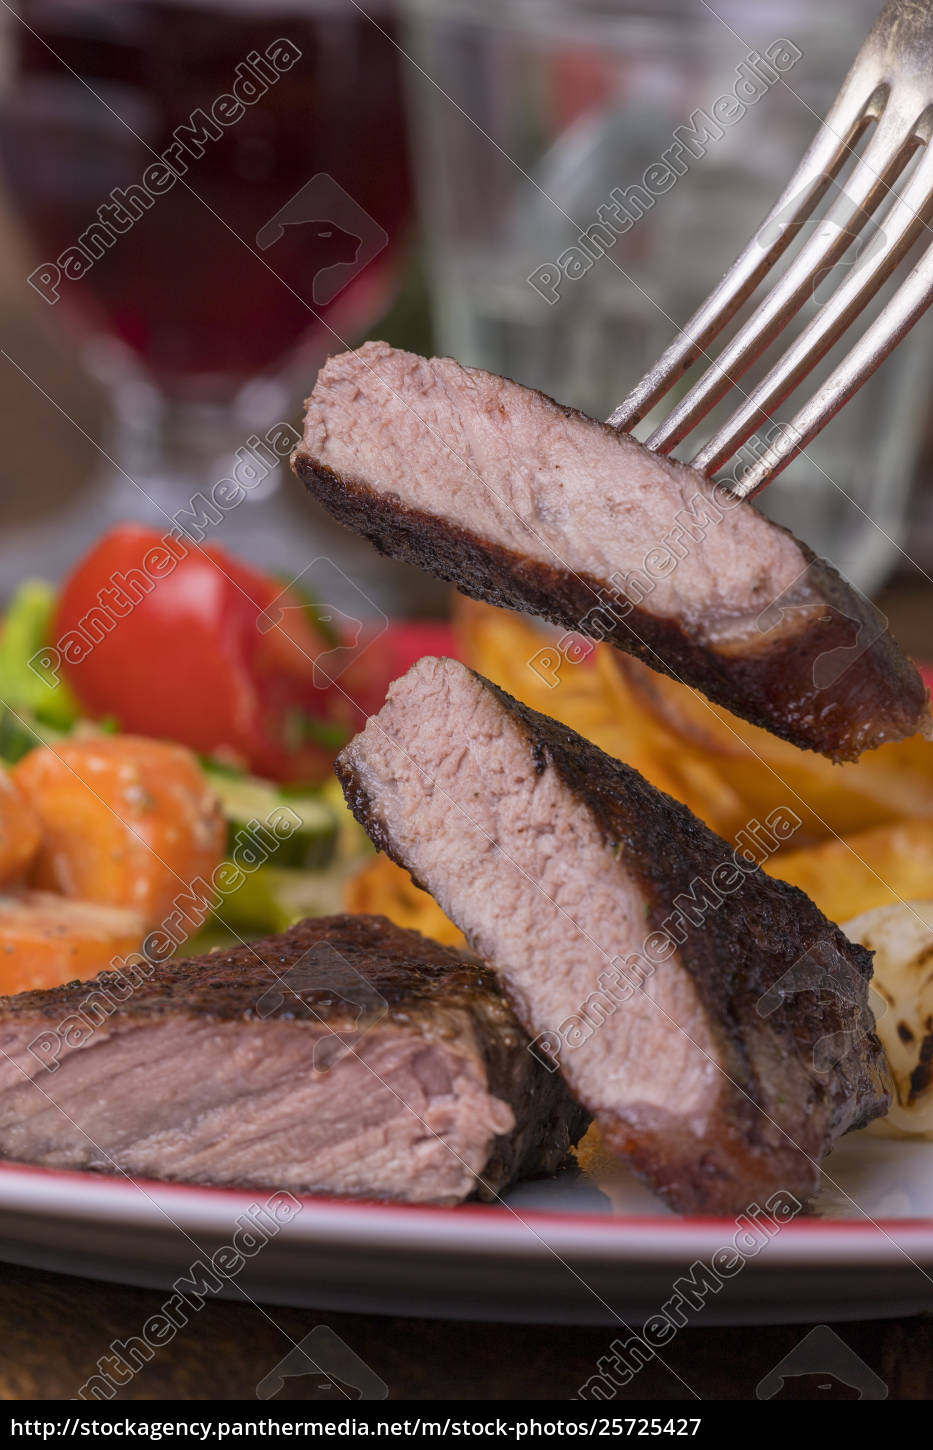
{"x": 182, "y": 280}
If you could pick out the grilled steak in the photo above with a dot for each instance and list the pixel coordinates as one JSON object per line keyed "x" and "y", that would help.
{"x": 346, "y": 1056}
{"x": 534, "y": 506}
{"x": 711, "y": 1018}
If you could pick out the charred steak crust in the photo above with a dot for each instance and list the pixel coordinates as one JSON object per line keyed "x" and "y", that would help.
{"x": 880, "y": 697}
{"x": 733, "y": 959}
{"x": 449, "y": 995}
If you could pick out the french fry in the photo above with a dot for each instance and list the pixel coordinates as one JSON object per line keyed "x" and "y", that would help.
{"x": 862, "y": 871}
{"x": 884, "y": 786}
{"x": 725, "y": 769}
{"x": 381, "y": 888}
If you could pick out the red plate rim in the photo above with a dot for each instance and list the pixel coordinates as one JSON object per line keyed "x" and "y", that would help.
{"x": 670, "y": 1227}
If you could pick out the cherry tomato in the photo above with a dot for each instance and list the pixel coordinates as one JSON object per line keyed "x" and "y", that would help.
{"x": 186, "y": 643}
{"x": 387, "y": 653}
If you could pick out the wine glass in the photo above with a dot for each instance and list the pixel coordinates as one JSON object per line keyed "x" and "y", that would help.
{"x": 215, "y": 193}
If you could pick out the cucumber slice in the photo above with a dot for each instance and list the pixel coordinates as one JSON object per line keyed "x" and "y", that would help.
{"x": 308, "y": 823}
{"x": 273, "y": 898}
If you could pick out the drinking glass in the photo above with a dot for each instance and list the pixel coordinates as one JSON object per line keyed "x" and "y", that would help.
{"x": 215, "y": 194}
{"x": 531, "y": 117}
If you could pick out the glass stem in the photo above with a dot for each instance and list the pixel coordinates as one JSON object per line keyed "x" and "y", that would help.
{"x": 165, "y": 453}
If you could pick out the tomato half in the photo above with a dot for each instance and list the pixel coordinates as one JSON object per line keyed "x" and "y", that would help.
{"x": 186, "y": 643}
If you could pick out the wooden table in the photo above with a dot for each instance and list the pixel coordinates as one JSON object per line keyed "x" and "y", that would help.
{"x": 53, "y": 1330}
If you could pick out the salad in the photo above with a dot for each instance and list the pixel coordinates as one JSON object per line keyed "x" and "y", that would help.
{"x": 168, "y": 726}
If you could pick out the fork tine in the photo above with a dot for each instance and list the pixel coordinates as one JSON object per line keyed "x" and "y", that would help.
{"x": 841, "y": 130}
{"x": 909, "y": 303}
{"x": 903, "y": 225}
{"x": 884, "y": 160}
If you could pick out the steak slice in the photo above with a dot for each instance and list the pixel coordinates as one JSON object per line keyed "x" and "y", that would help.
{"x": 711, "y": 1018}
{"x": 346, "y": 1056}
{"x": 536, "y": 507}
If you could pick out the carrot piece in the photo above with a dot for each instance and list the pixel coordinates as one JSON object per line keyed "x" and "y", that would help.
{"x": 46, "y": 940}
{"x": 20, "y": 831}
{"x": 125, "y": 822}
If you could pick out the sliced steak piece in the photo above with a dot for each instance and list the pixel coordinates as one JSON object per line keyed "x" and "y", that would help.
{"x": 534, "y": 506}
{"x": 346, "y": 1056}
{"x": 667, "y": 975}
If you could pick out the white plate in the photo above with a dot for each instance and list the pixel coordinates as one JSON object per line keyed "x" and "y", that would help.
{"x": 557, "y": 1252}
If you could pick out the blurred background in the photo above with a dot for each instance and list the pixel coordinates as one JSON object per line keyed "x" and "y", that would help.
{"x": 400, "y": 171}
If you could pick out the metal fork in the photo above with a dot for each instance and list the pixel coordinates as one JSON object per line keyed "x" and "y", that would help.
{"x": 890, "y": 87}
